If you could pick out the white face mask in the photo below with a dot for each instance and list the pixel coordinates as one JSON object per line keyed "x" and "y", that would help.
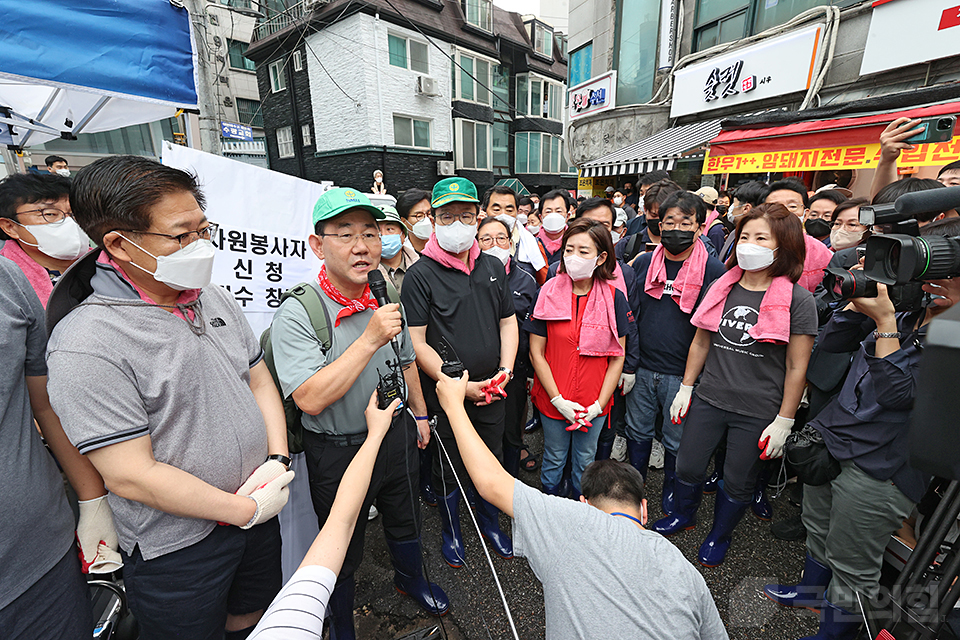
{"x": 63, "y": 240}
{"x": 63, "y": 172}
{"x": 554, "y": 222}
{"x": 615, "y": 236}
{"x": 522, "y": 218}
{"x": 186, "y": 268}
{"x": 501, "y": 254}
{"x": 579, "y": 268}
{"x": 423, "y": 229}
{"x": 753, "y": 257}
{"x": 456, "y": 237}
{"x": 507, "y": 220}
{"x": 534, "y": 229}
{"x": 618, "y": 201}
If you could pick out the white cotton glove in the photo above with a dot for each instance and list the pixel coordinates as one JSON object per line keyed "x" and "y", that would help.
{"x": 592, "y": 412}
{"x": 567, "y": 408}
{"x": 269, "y": 470}
{"x": 97, "y": 537}
{"x": 774, "y": 436}
{"x": 270, "y": 498}
{"x": 627, "y": 380}
{"x": 681, "y": 403}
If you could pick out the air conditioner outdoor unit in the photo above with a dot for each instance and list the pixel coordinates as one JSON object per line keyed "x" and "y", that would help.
{"x": 445, "y": 167}
{"x": 427, "y": 86}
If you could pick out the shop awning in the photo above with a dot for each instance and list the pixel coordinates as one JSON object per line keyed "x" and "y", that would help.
{"x": 659, "y": 151}
{"x": 514, "y": 184}
{"x": 813, "y": 145}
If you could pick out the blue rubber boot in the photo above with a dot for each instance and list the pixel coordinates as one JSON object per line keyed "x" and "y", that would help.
{"x": 686, "y": 501}
{"x": 669, "y": 478}
{"x": 340, "y": 607}
{"x": 452, "y": 539}
{"x": 603, "y": 450}
{"x": 760, "y": 506}
{"x": 836, "y": 623}
{"x": 638, "y": 453}
{"x": 808, "y": 593}
{"x": 489, "y": 521}
{"x": 552, "y": 490}
{"x": 726, "y": 515}
{"x": 426, "y": 476}
{"x": 408, "y": 577}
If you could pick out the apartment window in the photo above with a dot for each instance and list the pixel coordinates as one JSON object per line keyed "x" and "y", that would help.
{"x": 248, "y": 112}
{"x": 469, "y": 89}
{"x": 479, "y": 13}
{"x": 542, "y": 40}
{"x": 411, "y": 132}
{"x": 235, "y": 50}
{"x": 501, "y": 148}
{"x": 278, "y": 79}
{"x": 635, "y": 49}
{"x": 305, "y": 135}
{"x": 580, "y": 66}
{"x": 501, "y": 87}
{"x": 407, "y": 54}
{"x": 285, "y": 142}
{"x": 539, "y": 98}
{"x": 297, "y": 61}
{"x": 473, "y": 144}
{"x": 722, "y": 21}
{"x": 538, "y": 153}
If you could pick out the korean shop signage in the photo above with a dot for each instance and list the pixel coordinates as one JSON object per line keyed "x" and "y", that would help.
{"x": 594, "y": 95}
{"x": 770, "y": 68}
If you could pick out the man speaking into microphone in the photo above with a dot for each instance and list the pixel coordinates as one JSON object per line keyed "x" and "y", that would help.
{"x": 332, "y": 381}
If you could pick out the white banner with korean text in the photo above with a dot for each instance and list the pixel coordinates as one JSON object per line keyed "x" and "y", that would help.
{"x": 264, "y": 218}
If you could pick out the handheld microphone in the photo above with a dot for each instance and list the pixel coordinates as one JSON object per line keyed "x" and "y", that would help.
{"x": 938, "y": 200}
{"x": 378, "y": 287}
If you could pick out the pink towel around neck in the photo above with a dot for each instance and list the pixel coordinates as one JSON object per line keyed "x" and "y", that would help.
{"x": 816, "y": 260}
{"x": 36, "y": 273}
{"x": 618, "y": 281}
{"x": 433, "y": 250}
{"x": 773, "y": 324}
{"x": 598, "y": 330}
{"x": 552, "y": 246}
{"x": 689, "y": 280}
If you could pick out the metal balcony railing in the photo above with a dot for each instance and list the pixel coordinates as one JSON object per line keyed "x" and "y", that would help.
{"x": 275, "y": 22}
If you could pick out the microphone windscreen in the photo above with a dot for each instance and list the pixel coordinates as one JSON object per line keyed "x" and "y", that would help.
{"x": 932, "y": 200}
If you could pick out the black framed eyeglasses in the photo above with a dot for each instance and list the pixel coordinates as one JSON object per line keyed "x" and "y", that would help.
{"x": 187, "y": 238}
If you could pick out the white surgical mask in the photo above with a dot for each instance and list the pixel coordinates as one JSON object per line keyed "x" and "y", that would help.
{"x": 456, "y": 237}
{"x": 507, "y": 220}
{"x": 615, "y": 236}
{"x": 501, "y": 254}
{"x": 534, "y": 229}
{"x": 522, "y": 218}
{"x": 618, "y": 201}
{"x": 579, "y": 268}
{"x": 63, "y": 240}
{"x": 422, "y": 229}
{"x": 63, "y": 172}
{"x": 186, "y": 268}
{"x": 554, "y": 222}
{"x": 753, "y": 257}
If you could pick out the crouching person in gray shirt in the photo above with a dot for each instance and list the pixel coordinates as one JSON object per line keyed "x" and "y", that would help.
{"x": 604, "y": 575}
{"x": 159, "y": 381}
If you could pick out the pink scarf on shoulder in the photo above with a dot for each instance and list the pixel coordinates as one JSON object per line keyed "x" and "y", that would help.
{"x": 434, "y": 251}
{"x": 773, "y": 324}
{"x": 598, "y": 330}
{"x": 689, "y": 280}
{"x": 37, "y": 274}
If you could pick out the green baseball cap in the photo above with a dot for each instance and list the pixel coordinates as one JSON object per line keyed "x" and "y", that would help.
{"x": 390, "y": 214}
{"x": 453, "y": 190}
{"x": 335, "y": 201}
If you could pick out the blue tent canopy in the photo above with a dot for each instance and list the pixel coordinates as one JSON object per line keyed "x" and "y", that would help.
{"x": 75, "y": 66}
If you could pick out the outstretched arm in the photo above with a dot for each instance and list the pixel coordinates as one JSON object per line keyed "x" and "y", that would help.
{"x": 488, "y": 475}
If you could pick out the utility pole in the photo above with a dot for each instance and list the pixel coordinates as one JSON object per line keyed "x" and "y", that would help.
{"x": 206, "y": 77}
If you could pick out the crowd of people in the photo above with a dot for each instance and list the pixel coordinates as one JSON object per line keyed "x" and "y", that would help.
{"x": 693, "y": 322}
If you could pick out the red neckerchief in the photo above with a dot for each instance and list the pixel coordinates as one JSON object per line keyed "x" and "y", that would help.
{"x": 365, "y": 301}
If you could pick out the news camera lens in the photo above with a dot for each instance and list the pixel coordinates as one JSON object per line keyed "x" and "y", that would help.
{"x": 897, "y": 259}
{"x": 844, "y": 284}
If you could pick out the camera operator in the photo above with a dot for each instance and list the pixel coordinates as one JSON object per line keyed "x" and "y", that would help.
{"x": 850, "y": 519}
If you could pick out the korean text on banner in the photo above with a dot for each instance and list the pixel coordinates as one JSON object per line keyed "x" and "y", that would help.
{"x": 863, "y": 156}
{"x": 264, "y": 218}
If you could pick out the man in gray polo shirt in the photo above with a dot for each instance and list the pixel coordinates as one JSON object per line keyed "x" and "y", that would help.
{"x": 159, "y": 380}
{"x": 333, "y": 387}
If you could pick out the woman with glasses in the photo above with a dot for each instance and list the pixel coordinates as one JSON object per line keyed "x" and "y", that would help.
{"x": 494, "y": 239}
{"x": 578, "y": 334}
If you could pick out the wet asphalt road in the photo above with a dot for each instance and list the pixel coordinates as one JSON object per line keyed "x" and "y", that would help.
{"x": 476, "y": 613}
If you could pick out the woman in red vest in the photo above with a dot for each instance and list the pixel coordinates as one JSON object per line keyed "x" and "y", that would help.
{"x": 577, "y": 336}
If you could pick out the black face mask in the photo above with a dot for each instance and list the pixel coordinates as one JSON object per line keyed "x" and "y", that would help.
{"x": 817, "y": 227}
{"x": 676, "y": 241}
{"x": 721, "y": 209}
{"x": 653, "y": 226}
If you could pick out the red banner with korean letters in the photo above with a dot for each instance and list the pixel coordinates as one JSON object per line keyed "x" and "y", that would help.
{"x": 863, "y": 156}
